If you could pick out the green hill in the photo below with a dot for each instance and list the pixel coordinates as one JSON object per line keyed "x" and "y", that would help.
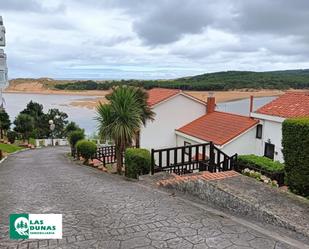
{"x": 297, "y": 79}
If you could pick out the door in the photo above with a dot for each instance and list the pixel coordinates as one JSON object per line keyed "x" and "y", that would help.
{"x": 269, "y": 150}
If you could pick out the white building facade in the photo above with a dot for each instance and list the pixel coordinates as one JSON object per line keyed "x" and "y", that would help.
{"x": 294, "y": 104}
{"x": 170, "y": 113}
{"x": 3, "y": 63}
{"x": 270, "y": 144}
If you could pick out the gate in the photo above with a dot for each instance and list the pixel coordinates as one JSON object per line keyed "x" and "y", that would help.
{"x": 105, "y": 154}
{"x": 191, "y": 158}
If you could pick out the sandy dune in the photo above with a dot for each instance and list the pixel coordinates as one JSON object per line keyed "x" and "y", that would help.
{"x": 45, "y": 86}
{"x": 221, "y": 96}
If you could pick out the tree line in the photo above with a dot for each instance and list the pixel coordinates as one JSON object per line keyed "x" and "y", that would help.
{"x": 33, "y": 122}
{"x": 297, "y": 79}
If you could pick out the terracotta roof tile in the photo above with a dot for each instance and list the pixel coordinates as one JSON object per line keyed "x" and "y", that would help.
{"x": 289, "y": 105}
{"x": 218, "y": 127}
{"x": 157, "y": 95}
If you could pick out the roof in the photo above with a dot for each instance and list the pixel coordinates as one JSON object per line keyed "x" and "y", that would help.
{"x": 158, "y": 95}
{"x": 218, "y": 127}
{"x": 288, "y": 105}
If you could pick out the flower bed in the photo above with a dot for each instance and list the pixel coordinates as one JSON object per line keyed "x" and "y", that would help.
{"x": 258, "y": 176}
{"x": 267, "y": 167}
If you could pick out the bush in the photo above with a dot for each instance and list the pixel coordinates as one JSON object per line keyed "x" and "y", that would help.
{"x": 137, "y": 162}
{"x": 75, "y": 136}
{"x": 295, "y": 143}
{"x": 11, "y": 135}
{"x": 86, "y": 149}
{"x": 261, "y": 163}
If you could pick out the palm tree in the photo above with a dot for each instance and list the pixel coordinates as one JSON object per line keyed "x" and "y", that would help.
{"x": 147, "y": 113}
{"x": 120, "y": 119}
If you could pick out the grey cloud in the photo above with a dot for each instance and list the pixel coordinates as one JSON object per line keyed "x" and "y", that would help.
{"x": 18, "y": 5}
{"x": 245, "y": 34}
{"x": 109, "y": 41}
{"x": 29, "y": 5}
{"x": 276, "y": 17}
{"x": 168, "y": 21}
{"x": 165, "y": 21}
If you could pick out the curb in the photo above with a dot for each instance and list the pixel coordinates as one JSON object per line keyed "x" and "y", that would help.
{"x": 13, "y": 153}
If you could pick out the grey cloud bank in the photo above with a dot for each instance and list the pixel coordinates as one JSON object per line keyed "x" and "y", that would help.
{"x": 153, "y": 39}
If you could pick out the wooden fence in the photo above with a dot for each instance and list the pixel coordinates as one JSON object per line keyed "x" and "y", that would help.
{"x": 187, "y": 159}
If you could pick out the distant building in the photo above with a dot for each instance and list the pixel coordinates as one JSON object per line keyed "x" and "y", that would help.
{"x": 3, "y": 64}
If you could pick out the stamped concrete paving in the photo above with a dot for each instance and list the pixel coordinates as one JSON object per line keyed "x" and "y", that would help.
{"x": 105, "y": 211}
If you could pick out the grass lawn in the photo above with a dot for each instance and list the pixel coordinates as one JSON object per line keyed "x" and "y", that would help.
{"x": 9, "y": 148}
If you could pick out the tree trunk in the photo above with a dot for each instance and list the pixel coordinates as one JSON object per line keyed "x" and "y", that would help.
{"x": 119, "y": 151}
{"x": 138, "y": 139}
{"x": 1, "y": 133}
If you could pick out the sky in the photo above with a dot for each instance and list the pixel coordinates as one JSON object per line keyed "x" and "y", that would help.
{"x": 153, "y": 39}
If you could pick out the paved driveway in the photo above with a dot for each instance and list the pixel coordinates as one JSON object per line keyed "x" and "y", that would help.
{"x": 105, "y": 211}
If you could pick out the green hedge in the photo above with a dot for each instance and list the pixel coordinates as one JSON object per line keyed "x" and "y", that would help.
{"x": 295, "y": 142}
{"x": 262, "y": 163}
{"x": 137, "y": 162}
{"x": 86, "y": 149}
{"x": 75, "y": 136}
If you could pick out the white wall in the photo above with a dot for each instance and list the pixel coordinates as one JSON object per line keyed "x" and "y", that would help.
{"x": 272, "y": 131}
{"x": 170, "y": 115}
{"x": 246, "y": 143}
{"x": 49, "y": 142}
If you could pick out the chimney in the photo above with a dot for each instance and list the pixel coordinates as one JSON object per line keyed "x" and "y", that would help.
{"x": 251, "y": 104}
{"x": 211, "y": 103}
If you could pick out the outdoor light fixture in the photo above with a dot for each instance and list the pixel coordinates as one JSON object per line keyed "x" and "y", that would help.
{"x": 52, "y": 128}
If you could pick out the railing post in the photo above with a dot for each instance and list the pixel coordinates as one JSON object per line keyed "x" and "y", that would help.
{"x": 212, "y": 157}
{"x": 152, "y": 162}
{"x": 225, "y": 163}
{"x": 104, "y": 162}
{"x": 235, "y": 165}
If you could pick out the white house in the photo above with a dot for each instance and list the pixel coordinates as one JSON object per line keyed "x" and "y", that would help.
{"x": 173, "y": 108}
{"x": 271, "y": 116}
{"x": 184, "y": 120}
{"x": 231, "y": 133}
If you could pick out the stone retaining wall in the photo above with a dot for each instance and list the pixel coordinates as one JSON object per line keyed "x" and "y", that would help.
{"x": 212, "y": 193}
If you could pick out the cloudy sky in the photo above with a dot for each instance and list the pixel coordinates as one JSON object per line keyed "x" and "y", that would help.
{"x": 113, "y": 39}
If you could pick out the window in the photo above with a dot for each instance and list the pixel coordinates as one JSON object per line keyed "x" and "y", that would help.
{"x": 186, "y": 149}
{"x": 269, "y": 150}
{"x": 259, "y": 129}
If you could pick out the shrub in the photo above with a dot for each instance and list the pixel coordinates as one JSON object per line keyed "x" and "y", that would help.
{"x": 261, "y": 163}
{"x": 137, "y": 162}
{"x": 11, "y": 135}
{"x": 295, "y": 143}
{"x": 86, "y": 149}
{"x": 75, "y": 136}
{"x": 258, "y": 176}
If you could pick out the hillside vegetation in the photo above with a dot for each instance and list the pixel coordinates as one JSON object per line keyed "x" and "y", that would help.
{"x": 230, "y": 80}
